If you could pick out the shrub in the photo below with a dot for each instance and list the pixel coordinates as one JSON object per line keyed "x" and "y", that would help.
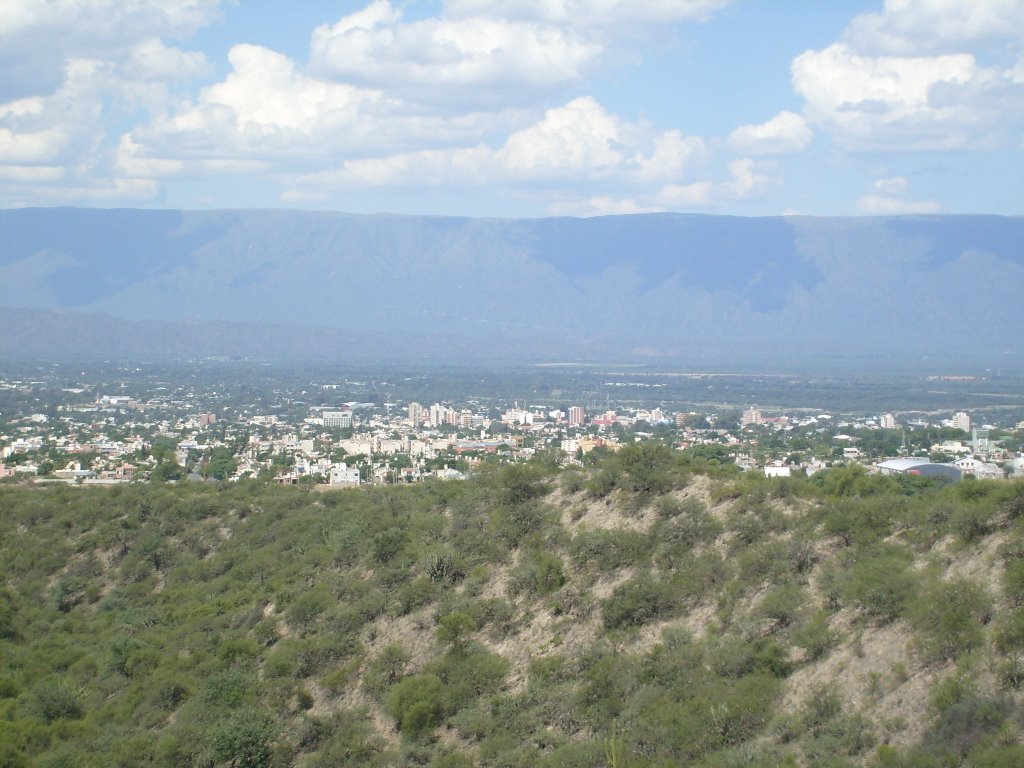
{"x": 308, "y": 606}
{"x": 417, "y": 704}
{"x": 55, "y": 701}
{"x": 647, "y": 467}
{"x": 243, "y": 739}
{"x": 637, "y": 602}
{"x": 1009, "y": 632}
{"x": 385, "y": 669}
{"x": 971, "y": 521}
{"x": 782, "y": 605}
{"x": 540, "y": 574}
{"x": 879, "y": 583}
{"x": 469, "y": 672}
{"x": 814, "y": 636}
{"x": 455, "y": 629}
{"x": 1013, "y": 582}
{"x": 607, "y": 550}
{"x": 967, "y": 720}
{"x": 949, "y": 618}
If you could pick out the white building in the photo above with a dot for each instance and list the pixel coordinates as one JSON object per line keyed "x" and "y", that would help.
{"x": 342, "y": 475}
{"x": 338, "y": 419}
{"x": 415, "y": 414}
{"x": 979, "y": 469}
{"x": 888, "y": 421}
{"x": 752, "y": 417}
{"x": 961, "y": 421}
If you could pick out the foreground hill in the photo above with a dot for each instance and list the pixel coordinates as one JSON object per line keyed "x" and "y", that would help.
{"x": 652, "y": 610}
{"x": 651, "y": 284}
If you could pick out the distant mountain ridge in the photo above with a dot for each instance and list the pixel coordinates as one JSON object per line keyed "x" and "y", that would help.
{"x": 655, "y": 284}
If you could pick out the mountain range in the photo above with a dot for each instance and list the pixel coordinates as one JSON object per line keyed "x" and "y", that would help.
{"x": 651, "y": 286}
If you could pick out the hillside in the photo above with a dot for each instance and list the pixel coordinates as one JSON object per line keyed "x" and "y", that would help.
{"x": 653, "y": 285}
{"x": 651, "y": 609}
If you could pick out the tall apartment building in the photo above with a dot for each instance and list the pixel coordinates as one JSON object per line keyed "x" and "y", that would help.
{"x": 752, "y": 417}
{"x": 888, "y": 421}
{"x": 576, "y": 416}
{"x": 437, "y": 413}
{"x": 342, "y": 419}
{"x": 415, "y": 414}
{"x": 961, "y": 421}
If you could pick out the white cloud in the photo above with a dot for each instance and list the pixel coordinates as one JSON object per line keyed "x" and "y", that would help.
{"x": 37, "y": 38}
{"x": 785, "y": 133}
{"x": 888, "y": 198}
{"x": 699, "y": 194}
{"x": 897, "y": 185}
{"x": 31, "y": 173}
{"x": 747, "y": 180}
{"x": 673, "y": 155}
{"x": 600, "y": 205}
{"x": 296, "y": 196}
{"x": 878, "y": 205}
{"x": 31, "y": 146}
{"x": 426, "y": 59}
{"x": 921, "y": 102}
{"x": 151, "y": 60}
{"x": 461, "y": 98}
{"x": 74, "y": 67}
{"x": 912, "y": 27}
{"x": 579, "y": 139}
{"x": 268, "y": 111}
{"x": 572, "y": 144}
{"x": 264, "y": 107}
{"x": 590, "y": 12}
{"x": 920, "y": 75}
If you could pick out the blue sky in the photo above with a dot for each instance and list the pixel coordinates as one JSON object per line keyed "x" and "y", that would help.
{"x": 515, "y": 107}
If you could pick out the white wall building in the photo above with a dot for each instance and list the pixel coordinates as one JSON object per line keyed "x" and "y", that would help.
{"x": 342, "y": 475}
{"x": 961, "y": 421}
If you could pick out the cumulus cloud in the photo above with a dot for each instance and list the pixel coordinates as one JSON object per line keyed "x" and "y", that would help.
{"x": 463, "y": 97}
{"x": 920, "y": 74}
{"x": 97, "y": 29}
{"x": 915, "y": 27}
{"x": 601, "y": 205}
{"x": 878, "y": 205}
{"x": 373, "y": 46}
{"x": 577, "y": 142}
{"x": 745, "y": 180}
{"x": 946, "y": 101}
{"x": 268, "y": 110}
{"x": 589, "y": 12}
{"x": 785, "y": 133}
{"x": 74, "y": 67}
{"x": 151, "y": 60}
{"x": 888, "y": 198}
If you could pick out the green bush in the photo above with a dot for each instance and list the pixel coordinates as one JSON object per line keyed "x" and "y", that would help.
{"x": 455, "y": 630}
{"x": 605, "y": 550}
{"x": 417, "y": 704}
{"x": 949, "y": 618}
{"x": 541, "y": 573}
{"x": 880, "y": 583}
{"x": 244, "y": 739}
{"x": 56, "y": 701}
{"x": 638, "y": 601}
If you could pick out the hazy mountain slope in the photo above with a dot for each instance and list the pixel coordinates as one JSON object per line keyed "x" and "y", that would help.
{"x": 664, "y": 283}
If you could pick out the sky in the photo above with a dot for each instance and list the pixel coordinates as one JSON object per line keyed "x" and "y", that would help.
{"x": 515, "y": 108}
